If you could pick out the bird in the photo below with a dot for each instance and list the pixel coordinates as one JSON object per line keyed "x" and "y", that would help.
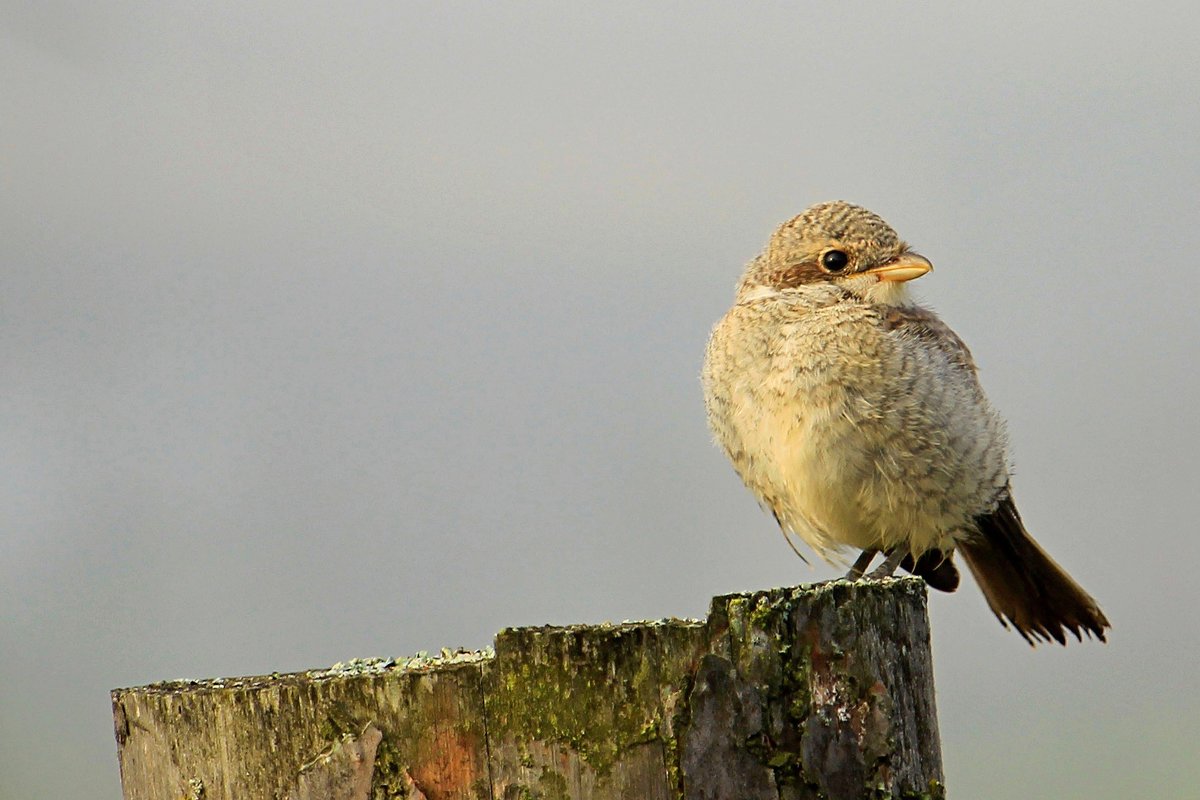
{"x": 856, "y": 417}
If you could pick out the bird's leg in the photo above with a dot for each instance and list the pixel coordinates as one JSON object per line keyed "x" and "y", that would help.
{"x": 889, "y": 564}
{"x": 860, "y": 566}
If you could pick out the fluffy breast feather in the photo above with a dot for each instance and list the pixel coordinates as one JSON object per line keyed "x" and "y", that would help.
{"x": 856, "y": 424}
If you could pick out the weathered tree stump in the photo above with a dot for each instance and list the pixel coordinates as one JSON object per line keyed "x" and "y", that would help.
{"x": 821, "y": 691}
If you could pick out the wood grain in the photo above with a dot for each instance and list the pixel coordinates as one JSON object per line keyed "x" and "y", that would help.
{"x": 821, "y": 691}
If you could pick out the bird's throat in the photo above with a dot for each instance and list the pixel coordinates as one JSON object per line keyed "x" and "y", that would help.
{"x": 873, "y": 290}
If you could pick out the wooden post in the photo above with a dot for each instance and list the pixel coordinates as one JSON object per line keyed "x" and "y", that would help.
{"x": 821, "y": 691}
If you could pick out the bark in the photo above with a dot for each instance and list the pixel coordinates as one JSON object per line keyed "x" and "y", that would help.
{"x": 821, "y": 691}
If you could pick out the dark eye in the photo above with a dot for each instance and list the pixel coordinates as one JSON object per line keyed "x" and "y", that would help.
{"x": 835, "y": 261}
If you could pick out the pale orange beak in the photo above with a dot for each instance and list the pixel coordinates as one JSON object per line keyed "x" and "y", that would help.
{"x": 901, "y": 268}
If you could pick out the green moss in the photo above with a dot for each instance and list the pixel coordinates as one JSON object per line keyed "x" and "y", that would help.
{"x": 736, "y": 611}
{"x": 391, "y": 778}
{"x": 595, "y": 690}
{"x": 552, "y": 785}
{"x": 678, "y": 722}
{"x": 936, "y": 792}
{"x": 766, "y": 614}
{"x": 577, "y": 708}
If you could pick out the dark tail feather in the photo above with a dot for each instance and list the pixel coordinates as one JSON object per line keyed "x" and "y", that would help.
{"x": 1024, "y": 586}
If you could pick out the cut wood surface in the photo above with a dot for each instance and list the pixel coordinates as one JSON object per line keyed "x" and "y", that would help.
{"x": 822, "y": 691}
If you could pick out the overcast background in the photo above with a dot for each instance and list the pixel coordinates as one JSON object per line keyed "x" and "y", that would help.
{"x": 359, "y": 329}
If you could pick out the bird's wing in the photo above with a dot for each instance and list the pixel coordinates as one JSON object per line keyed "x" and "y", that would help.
{"x": 924, "y": 325}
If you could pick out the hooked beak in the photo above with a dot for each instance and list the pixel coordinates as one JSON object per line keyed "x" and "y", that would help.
{"x": 901, "y": 268}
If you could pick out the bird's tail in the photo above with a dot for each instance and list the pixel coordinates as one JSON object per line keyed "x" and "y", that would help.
{"x": 1024, "y": 586}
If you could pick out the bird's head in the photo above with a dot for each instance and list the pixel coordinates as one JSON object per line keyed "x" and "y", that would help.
{"x": 835, "y": 243}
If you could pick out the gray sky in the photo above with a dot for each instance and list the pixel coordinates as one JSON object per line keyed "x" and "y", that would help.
{"x": 354, "y": 330}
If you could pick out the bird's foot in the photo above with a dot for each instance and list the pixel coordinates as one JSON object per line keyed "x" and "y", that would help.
{"x": 860, "y": 566}
{"x": 889, "y": 564}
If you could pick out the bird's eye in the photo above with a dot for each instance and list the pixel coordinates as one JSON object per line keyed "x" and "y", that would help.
{"x": 835, "y": 261}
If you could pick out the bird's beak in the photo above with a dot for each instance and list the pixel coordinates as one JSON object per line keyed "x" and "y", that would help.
{"x": 901, "y": 268}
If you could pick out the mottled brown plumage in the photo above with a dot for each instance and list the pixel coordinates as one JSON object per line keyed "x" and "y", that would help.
{"x": 856, "y": 417}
